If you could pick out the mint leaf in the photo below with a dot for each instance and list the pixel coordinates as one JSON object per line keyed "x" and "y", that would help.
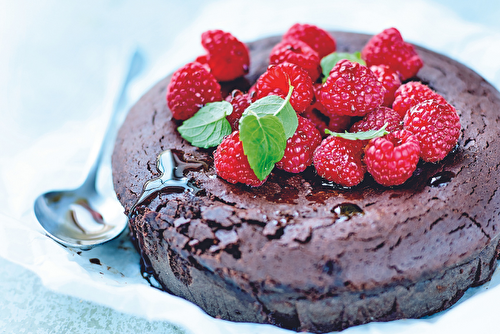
{"x": 275, "y": 105}
{"x": 329, "y": 62}
{"x": 264, "y": 128}
{"x": 288, "y": 116}
{"x": 264, "y": 142}
{"x": 208, "y": 126}
{"x": 364, "y": 135}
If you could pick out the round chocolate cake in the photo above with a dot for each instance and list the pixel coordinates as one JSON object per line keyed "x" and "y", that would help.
{"x": 302, "y": 253}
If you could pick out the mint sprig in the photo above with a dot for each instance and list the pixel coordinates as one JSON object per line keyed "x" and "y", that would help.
{"x": 264, "y": 128}
{"x": 279, "y": 107}
{"x": 328, "y": 62}
{"x": 208, "y": 126}
{"x": 264, "y": 142}
{"x": 363, "y": 135}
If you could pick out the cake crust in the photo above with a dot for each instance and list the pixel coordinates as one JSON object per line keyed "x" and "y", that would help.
{"x": 306, "y": 255}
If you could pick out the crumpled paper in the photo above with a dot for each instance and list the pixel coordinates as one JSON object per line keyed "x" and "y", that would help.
{"x": 45, "y": 153}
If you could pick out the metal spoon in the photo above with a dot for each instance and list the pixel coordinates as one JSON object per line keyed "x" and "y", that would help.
{"x": 83, "y": 218}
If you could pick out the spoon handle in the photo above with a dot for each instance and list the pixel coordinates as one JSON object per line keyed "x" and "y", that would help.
{"x": 116, "y": 118}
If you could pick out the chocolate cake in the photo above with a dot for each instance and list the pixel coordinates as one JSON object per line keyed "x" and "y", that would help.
{"x": 304, "y": 254}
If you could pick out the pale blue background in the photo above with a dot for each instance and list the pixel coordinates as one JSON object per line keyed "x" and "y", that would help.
{"x": 57, "y": 60}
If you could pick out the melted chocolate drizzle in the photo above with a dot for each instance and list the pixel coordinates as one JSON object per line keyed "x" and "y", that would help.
{"x": 172, "y": 178}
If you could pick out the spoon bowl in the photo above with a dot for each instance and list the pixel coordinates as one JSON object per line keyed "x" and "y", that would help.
{"x": 80, "y": 219}
{"x": 77, "y": 220}
{"x": 84, "y": 218}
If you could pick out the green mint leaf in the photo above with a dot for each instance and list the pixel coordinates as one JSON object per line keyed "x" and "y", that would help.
{"x": 208, "y": 126}
{"x": 288, "y": 116}
{"x": 264, "y": 128}
{"x": 365, "y": 135}
{"x": 329, "y": 62}
{"x": 264, "y": 142}
{"x": 275, "y": 105}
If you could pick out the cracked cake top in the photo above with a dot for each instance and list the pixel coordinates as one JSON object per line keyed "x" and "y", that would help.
{"x": 297, "y": 232}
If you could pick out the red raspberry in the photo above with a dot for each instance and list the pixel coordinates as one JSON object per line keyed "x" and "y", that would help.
{"x": 319, "y": 120}
{"x": 412, "y": 93}
{"x": 227, "y": 57}
{"x": 252, "y": 91}
{"x": 436, "y": 126}
{"x": 231, "y": 163}
{"x": 376, "y": 119}
{"x": 299, "y": 53}
{"x": 389, "y": 79}
{"x": 392, "y": 159}
{"x": 318, "y": 39}
{"x": 335, "y": 123}
{"x": 339, "y": 123}
{"x": 389, "y": 48}
{"x": 351, "y": 89}
{"x": 339, "y": 160}
{"x": 190, "y": 88}
{"x": 240, "y": 102}
{"x": 276, "y": 81}
{"x": 203, "y": 60}
{"x": 300, "y": 147}
{"x": 316, "y": 113}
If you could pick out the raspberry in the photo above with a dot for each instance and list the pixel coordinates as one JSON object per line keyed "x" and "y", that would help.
{"x": 252, "y": 91}
{"x": 389, "y": 79}
{"x": 351, "y": 89}
{"x": 389, "y": 48}
{"x": 335, "y": 123}
{"x": 411, "y": 94}
{"x": 339, "y": 123}
{"x": 436, "y": 126}
{"x": 276, "y": 81}
{"x": 339, "y": 160}
{"x": 203, "y": 60}
{"x": 227, "y": 57}
{"x": 300, "y": 147}
{"x": 190, "y": 88}
{"x": 376, "y": 119}
{"x": 392, "y": 159}
{"x": 318, "y": 39}
{"x": 319, "y": 120}
{"x": 231, "y": 163}
{"x": 298, "y": 53}
{"x": 316, "y": 113}
{"x": 240, "y": 102}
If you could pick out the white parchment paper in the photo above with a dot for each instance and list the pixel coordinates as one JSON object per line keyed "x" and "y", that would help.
{"x": 60, "y": 70}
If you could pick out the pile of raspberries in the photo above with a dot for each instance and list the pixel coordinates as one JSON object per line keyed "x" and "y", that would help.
{"x": 420, "y": 123}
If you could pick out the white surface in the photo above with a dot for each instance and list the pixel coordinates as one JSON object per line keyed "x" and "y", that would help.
{"x": 59, "y": 64}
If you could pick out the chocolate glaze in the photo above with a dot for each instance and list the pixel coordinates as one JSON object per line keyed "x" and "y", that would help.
{"x": 287, "y": 253}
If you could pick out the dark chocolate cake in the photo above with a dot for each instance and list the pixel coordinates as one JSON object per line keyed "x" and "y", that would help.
{"x": 304, "y": 254}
